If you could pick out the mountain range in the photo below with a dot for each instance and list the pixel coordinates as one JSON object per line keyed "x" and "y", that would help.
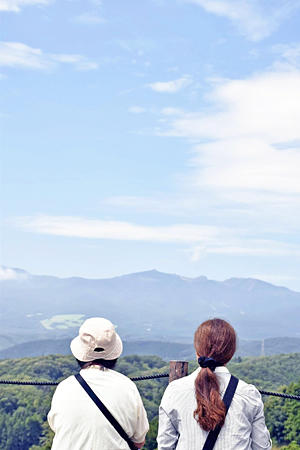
{"x": 146, "y": 306}
{"x": 165, "y": 350}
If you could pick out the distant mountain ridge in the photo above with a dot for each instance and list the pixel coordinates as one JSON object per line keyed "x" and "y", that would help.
{"x": 147, "y": 305}
{"x": 165, "y": 350}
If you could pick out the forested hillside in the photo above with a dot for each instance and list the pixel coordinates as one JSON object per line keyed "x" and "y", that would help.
{"x": 166, "y": 350}
{"x": 23, "y": 409}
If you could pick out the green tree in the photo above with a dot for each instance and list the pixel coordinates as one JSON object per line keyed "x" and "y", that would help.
{"x": 151, "y": 443}
{"x": 292, "y": 446}
{"x": 292, "y": 410}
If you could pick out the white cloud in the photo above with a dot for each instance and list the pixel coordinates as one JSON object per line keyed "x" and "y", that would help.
{"x": 183, "y": 204}
{"x": 250, "y": 142}
{"x": 256, "y": 247}
{"x": 244, "y": 168}
{"x": 170, "y": 111}
{"x": 19, "y": 55}
{"x": 255, "y": 19}
{"x": 136, "y": 109}
{"x": 203, "y": 239}
{"x": 289, "y": 55}
{"x": 265, "y": 105}
{"x": 166, "y": 205}
{"x": 79, "y": 61}
{"x": 7, "y": 274}
{"x": 89, "y": 18}
{"x": 171, "y": 86}
{"x": 101, "y": 229}
{"x": 16, "y": 54}
{"x": 17, "y": 5}
{"x": 247, "y": 164}
{"x": 244, "y": 247}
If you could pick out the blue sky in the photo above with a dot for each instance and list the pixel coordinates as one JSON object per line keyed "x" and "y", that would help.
{"x": 151, "y": 134}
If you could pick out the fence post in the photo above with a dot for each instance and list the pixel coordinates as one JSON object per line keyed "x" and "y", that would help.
{"x": 178, "y": 369}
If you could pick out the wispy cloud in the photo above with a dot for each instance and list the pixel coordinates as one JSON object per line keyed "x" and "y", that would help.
{"x": 181, "y": 205}
{"x": 17, "y": 5}
{"x": 249, "y": 138}
{"x": 165, "y": 205}
{"x": 80, "y": 62}
{"x": 170, "y": 111}
{"x": 89, "y": 18}
{"x": 19, "y": 55}
{"x": 101, "y": 229}
{"x": 136, "y": 109}
{"x": 245, "y": 247}
{"x": 16, "y": 54}
{"x": 7, "y": 274}
{"x": 202, "y": 239}
{"x": 289, "y": 55}
{"x": 255, "y": 19}
{"x": 171, "y": 86}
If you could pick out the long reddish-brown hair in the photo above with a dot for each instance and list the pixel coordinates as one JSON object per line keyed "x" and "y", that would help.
{"x": 215, "y": 339}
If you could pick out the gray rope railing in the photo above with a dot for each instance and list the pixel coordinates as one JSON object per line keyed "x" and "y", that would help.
{"x": 55, "y": 383}
{"x": 141, "y": 378}
{"x": 30, "y": 383}
{"x": 281, "y": 394}
{"x": 150, "y": 377}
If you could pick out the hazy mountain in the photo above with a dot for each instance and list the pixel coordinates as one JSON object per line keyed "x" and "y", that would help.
{"x": 166, "y": 350}
{"x": 147, "y": 305}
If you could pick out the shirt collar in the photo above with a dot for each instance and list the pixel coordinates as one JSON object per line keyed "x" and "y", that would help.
{"x": 221, "y": 369}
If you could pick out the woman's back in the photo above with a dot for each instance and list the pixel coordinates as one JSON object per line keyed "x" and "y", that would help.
{"x": 193, "y": 406}
{"x": 244, "y": 427}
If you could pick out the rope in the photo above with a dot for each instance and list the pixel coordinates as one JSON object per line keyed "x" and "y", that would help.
{"x": 30, "y": 383}
{"x": 142, "y": 378}
{"x": 150, "y": 377}
{"x": 55, "y": 383}
{"x": 279, "y": 394}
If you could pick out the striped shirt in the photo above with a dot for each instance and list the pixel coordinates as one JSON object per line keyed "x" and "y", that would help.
{"x": 244, "y": 427}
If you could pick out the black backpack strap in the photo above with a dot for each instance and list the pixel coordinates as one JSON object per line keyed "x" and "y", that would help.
{"x": 228, "y": 396}
{"x": 105, "y": 411}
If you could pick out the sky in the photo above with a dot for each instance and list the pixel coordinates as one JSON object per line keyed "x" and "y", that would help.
{"x": 151, "y": 134}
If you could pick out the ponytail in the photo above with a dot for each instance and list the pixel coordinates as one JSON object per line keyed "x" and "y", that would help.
{"x": 216, "y": 339}
{"x": 210, "y": 410}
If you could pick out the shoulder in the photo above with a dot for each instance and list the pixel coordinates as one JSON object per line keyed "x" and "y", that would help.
{"x": 184, "y": 382}
{"x": 249, "y": 396}
{"x": 109, "y": 379}
{"x": 65, "y": 388}
{"x": 247, "y": 390}
{"x": 122, "y": 379}
{"x": 180, "y": 388}
{"x": 125, "y": 386}
{"x": 243, "y": 389}
{"x": 67, "y": 383}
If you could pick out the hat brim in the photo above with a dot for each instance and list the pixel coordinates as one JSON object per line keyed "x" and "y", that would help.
{"x": 83, "y": 353}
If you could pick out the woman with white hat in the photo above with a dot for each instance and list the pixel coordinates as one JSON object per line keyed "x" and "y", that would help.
{"x": 75, "y": 417}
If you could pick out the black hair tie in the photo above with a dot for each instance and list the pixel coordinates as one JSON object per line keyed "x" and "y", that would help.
{"x": 208, "y": 363}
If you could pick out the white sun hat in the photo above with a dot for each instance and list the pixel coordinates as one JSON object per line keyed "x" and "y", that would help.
{"x": 96, "y": 339}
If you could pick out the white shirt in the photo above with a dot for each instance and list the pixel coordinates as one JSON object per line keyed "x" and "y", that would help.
{"x": 244, "y": 427}
{"x": 78, "y": 423}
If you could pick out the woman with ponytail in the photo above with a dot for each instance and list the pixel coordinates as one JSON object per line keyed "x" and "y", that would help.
{"x": 194, "y": 411}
